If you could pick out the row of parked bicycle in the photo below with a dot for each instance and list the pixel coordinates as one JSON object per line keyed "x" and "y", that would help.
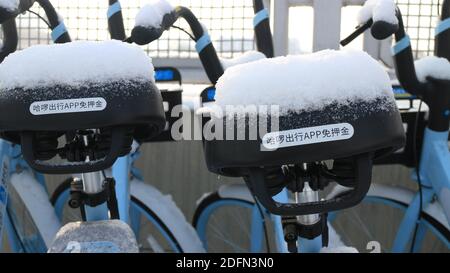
{"x": 303, "y": 133}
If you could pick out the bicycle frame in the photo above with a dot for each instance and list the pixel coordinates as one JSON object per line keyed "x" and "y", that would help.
{"x": 435, "y": 180}
{"x": 304, "y": 245}
{"x": 120, "y": 171}
{"x": 257, "y": 228}
{"x": 435, "y": 158}
{"x": 11, "y": 160}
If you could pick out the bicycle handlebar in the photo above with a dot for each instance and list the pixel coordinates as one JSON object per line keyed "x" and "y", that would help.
{"x": 435, "y": 92}
{"x": 59, "y": 31}
{"x": 10, "y": 38}
{"x": 261, "y": 25}
{"x": 442, "y": 46}
{"x": 404, "y": 61}
{"x": 402, "y": 51}
{"x": 208, "y": 56}
{"x": 7, "y": 19}
{"x": 6, "y": 14}
{"x": 115, "y": 21}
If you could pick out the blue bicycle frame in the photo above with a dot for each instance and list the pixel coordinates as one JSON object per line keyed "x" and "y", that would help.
{"x": 435, "y": 179}
{"x": 120, "y": 172}
{"x": 11, "y": 159}
{"x": 257, "y": 229}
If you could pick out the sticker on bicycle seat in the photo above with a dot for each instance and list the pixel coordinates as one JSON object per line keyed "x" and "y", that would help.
{"x": 50, "y": 107}
{"x": 305, "y": 136}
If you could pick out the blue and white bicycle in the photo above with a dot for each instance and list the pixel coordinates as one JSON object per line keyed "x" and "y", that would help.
{"x": 420, "y": 219}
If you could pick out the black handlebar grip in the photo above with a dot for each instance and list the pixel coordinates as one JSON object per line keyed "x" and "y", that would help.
{"x": 261, "y": 25}
{"x": 54, "y": 22}
{"x": 442, "y": 48}
{"x": 264, "y": 41}
{"x": 211, "y": 63}
{"x": 10, "y": 38}
{"x": 381, "y": 30}
{"x": 6, "y": 14}
{"x": 404, "y": 61}
{"x": 144, "y": 35}
{"x": 115, "y": 21}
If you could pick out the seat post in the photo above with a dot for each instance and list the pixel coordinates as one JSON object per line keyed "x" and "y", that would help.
{"x": 92, "y": 182}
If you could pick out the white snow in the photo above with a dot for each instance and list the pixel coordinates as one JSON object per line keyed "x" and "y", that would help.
{"x": 335, "y": 244}
{"x": 75, "y": 64}
{"x": 247, "y": 57}
{"x": 35, "y": 199}
{"x": 304, "y": 82}
{"x": 9, "y": 5}
{"x": 152, "y": 14}
{"x": 432, "y": 66}
{"x": 166, "y": 210}
{"x": 378, "y": 10}
{"x": 341, "y": 249}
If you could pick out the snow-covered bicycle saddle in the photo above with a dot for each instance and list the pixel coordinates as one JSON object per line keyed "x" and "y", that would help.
{"x": 49, "y": 90}
{"x": 302, "y": 109}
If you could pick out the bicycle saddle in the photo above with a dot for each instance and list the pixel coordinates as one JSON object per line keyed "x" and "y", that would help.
{"x": 329, "y": 105}
{"x": 70, "y": 89}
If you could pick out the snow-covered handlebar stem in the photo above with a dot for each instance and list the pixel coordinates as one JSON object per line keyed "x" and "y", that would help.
{"x": 145, "y": 34}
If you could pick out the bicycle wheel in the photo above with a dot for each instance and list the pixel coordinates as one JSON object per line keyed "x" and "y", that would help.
{"x": 31, "y": 223}
{"x": 158, "y": 224}
{"x": 220, "y": 235}
{"x": 378, "y": 218}
{"x": 225, "y": 225}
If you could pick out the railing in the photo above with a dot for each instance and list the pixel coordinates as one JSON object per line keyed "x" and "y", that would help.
{"x": 231, "y": 28}
{"x": 420, "y": 17}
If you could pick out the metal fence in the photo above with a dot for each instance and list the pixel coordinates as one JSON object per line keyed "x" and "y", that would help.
{"x": 420, "y": 18}
{"x": 228, "y": 21}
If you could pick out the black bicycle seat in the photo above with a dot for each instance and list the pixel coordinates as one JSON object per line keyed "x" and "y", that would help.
{"x": 41, "y": 113}
{"x": 91, "y": 105}
{"x": 354, "y": 128}
{"x": 360, "y": 129}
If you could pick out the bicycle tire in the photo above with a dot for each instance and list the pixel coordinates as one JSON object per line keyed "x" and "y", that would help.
{"x": 32, "y": 223}
{"x": 213, "y": 198}
{"x": 389, "y": 197}
{"x": 175, "y": 238}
